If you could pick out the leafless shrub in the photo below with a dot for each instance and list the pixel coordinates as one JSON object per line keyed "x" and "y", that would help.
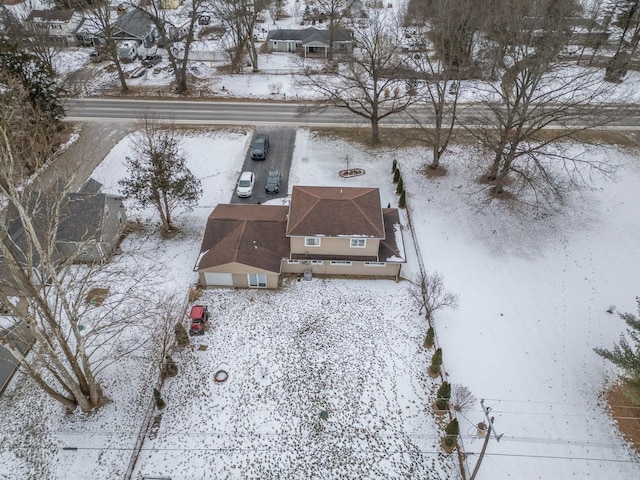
{"x": 461, "y": 397}
{"x": 429, "y": 293}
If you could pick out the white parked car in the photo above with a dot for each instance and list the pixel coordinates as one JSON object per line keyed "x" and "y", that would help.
{"x": 246, "y": 184}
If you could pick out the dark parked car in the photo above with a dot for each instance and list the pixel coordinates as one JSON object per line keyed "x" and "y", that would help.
{"x": 98, "y": 56}
{"x": 272, "y": 185}
{"x": 151, "y": 60}
{"x": 260, "y": 147}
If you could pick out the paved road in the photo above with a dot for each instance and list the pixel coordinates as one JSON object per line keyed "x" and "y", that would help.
{"x": 293, "y": 114}
{"x": 207, "y": 113}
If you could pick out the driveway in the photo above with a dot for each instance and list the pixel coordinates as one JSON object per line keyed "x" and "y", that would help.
{"x": 279, "y": 158}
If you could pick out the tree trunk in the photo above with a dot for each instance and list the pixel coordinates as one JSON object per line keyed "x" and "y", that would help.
{"x": 181, "y": 86}
{"x": 501, "y": 177}
{"x": 375, "y": 134}
{"x": 495, "y": 165}
{"x": 165, "y": 212}
{"x": 124, "y": 88}
{"x": 331, "y": 37}
{"x": 436, "y": 157}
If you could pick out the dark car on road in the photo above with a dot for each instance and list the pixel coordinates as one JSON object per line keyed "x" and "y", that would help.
{"x": 260, "y": 147}
{"x": 272, "y": 185}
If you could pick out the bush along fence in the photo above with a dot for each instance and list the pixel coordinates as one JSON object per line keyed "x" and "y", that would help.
{"x": 443, "y": 396}
{"x": 397, "y": 179}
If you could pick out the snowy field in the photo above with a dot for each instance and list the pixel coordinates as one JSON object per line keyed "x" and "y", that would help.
{"x": 533, "y": 298}
{"x": 534, "y": 290}
{"x": 350, "y": 348}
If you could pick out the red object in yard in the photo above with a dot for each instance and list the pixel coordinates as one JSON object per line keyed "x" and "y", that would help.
{"x": 198, "y": 311}
{"x": 199, "y": 315}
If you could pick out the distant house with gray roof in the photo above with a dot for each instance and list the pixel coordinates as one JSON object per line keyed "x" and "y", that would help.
{"x": 89, "y": 226}
{"x": 309, "y": 41}
{"x": 136, "y": 26}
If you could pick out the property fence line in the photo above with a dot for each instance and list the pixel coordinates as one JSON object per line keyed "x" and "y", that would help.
{"x": 462, "y": 455}
{"x": 148, "y": 418}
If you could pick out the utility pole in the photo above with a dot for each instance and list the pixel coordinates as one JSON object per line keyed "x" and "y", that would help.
{"x": 486, "y": 411}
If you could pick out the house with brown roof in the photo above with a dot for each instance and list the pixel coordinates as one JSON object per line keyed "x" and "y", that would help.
{"x": 325, "y": 231}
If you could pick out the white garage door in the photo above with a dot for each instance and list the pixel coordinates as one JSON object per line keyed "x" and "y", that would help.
{"x": 222, "y": 279}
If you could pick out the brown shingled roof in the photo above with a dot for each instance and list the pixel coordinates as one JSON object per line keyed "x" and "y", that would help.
{"x": 253, "y": 235}
{"x": 335, "y": 211}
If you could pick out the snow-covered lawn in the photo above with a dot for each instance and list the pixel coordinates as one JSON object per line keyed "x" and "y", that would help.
{"x": 534, "y": 294}
{"x": 351, "y": 348}
{"x": 533, "y": 298}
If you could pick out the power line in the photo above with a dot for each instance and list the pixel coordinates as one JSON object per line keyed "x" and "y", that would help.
{"x": 279, "y": 449}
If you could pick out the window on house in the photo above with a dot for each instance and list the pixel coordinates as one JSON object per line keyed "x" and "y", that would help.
{"x": 316, "y": 262}
{"x": 275, "y": 45}
{"x": 358, "y": 243}
{"x": 311, "y": 242}
{"x": 342, "y": 263}
{"x": 293, "y": 262}
{"x": 375, "y": 264}
{"x": 257, "y": 280}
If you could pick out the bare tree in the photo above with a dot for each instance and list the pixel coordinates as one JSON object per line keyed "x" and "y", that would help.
{"x": 452, "y": 29}
{"x": 430, "y": 294}
{"x": 177, "y": 38}
{"x": 101, "y": 24}
{"x": 165, "y": 309}
{"x": 461, "y": 398}
{"x": 593, "y": 40}
{"x": 536, "y": 103}
{"x": 73, "y": 337}
{"x": 276, "y": 9}
{"x": 38, "y": 43}
{"x": 441, "y": 61}
{"x": 627, "y": 19}
{"x": 370, "y": 82}
{"x": 335, "y": 14}
{"x": 240, "y": 17}
{"x": 158, "y": 174}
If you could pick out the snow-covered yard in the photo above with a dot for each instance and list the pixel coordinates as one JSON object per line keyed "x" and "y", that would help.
{"x": 350, "y": 348}
{"x": 533, "y": 298}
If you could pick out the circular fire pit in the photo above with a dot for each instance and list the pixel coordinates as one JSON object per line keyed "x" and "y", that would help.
{"x": 220, "y": 376}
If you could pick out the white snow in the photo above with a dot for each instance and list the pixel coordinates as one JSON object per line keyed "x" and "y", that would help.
{"x": 533, "y": 292}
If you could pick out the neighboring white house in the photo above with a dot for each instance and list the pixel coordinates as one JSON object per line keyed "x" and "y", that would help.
{"x": 55, "y": 26}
